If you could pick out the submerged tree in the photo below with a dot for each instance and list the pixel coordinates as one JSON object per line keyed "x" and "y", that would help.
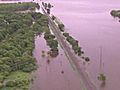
{"x": 115, "y": 13}
{"x": 102, "y": 77}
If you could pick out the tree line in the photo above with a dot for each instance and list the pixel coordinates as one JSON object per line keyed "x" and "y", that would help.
{"x": 18, "y": 7}
{"x": 17, "y": 33}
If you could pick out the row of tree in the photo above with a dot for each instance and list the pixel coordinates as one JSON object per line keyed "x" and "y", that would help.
{"x": 18, "y": 7}
{"x": 75, "y": 46}
{"x": 52, "y": 43}
{"x": 74, "y": 43}
{"x": 47, "y": 7}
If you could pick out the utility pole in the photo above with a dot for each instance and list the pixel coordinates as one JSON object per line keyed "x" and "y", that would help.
{"x": 101, "y": 75}
{"x": 101, "y": 62}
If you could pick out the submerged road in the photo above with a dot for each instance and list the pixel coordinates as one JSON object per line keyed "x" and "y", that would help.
{"x": 86, "y": 83}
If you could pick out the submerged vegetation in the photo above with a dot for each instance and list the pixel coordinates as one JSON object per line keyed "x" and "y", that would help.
{"x": 17, "y": 32}
{"x": 102, "y": 77}
{"x": 115, "y": 13}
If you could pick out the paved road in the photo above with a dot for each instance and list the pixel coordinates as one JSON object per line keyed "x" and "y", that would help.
{"x": 86, "y": 83}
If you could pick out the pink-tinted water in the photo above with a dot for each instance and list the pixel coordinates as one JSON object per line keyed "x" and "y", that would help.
{"x": 89, "y": 21}
{"x": 56, "y": 75}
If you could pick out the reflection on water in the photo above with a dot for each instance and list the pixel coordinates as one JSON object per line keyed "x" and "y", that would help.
{"x": 103, "y": 84}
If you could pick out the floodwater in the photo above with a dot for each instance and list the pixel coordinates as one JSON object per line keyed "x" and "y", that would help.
{"x": 90, "y": 23}
{"x": 55, "y": 75}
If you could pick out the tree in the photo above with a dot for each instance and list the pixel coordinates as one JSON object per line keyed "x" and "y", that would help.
{"x": 61, "y": 27}
{"x": 49, "y": 5}
{"x": 66, "y": 34}
{"x": 87, "y": 59}
{"x": 45, "y": 5}
{"x": 53, "y": 17}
